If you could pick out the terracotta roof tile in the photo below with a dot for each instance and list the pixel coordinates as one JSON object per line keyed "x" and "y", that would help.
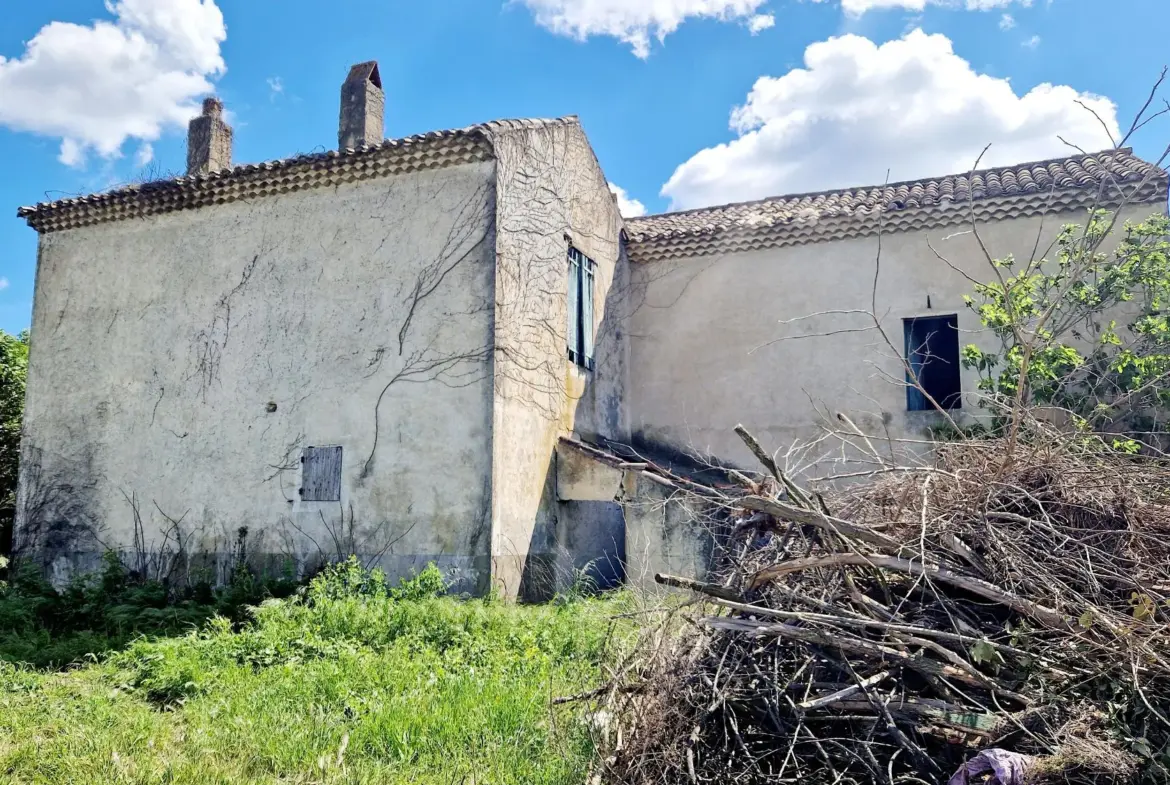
{"x": 1103, "y": 178}
{"x": 432, "y": 150}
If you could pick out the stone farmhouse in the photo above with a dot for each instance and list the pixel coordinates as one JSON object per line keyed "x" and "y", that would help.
{"x": 431, "y": 348}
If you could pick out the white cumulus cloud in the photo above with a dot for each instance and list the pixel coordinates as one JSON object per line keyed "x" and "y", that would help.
{"x": 627, "y": 206}
{"x": 145, "y": 154}
{"x": 1007, "y": 22}
{"x": 859, "y": 7}
{"x": 1031, "y": 43}
{"x": 857, "y": 111}
{"x": 3, "y": 284}
{"x": 761, "y": 22}
{"x": 635, "y": 22}
{"x": 96, "y": 86}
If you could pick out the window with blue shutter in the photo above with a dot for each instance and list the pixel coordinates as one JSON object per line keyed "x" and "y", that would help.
{"x": 587, "y": 274}
{"x": 932, "y": 350}
{"x": 582, "y": 272}
{"x": 574, "y": 305}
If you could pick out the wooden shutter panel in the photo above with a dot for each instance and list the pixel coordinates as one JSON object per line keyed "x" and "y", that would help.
{"x": 587, "y": 312}
{"x": 321, "y": 474}
{"x": 574, "y": 338}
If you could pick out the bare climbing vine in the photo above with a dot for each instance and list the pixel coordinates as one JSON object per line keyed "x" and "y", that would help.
{"x": 55, "y": 503}
{"x": 213, "y": 339}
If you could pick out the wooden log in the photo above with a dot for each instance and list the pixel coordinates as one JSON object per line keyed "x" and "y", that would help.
{"x": 977, "y": 586}
{"x": 724, "y": 595}
{"x": 799, "y": 496}
{"x": 863, "y": 623}
{"x": 846, "y": 644}
{"x": 710, "y": 589}
{"x": 976, "y": 723}
{"x": 818, "y": 519}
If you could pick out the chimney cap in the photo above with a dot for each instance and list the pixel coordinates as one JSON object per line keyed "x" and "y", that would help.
{"x": 212, "y": 107}
{"x": 365, "y": 71}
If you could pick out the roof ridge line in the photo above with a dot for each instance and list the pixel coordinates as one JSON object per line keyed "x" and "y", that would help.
{"x": 895, "y": 184}
{"x": 1107, "y": 179}
{"x": 426, "y": 150}
{"x": 683, "y": 243}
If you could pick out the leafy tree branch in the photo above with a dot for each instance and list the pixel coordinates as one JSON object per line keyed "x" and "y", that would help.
{"x": 1084, "y": 329}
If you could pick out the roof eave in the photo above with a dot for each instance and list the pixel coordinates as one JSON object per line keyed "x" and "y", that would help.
{"x": 436, "y": 149}
{"x": 675, "y": 245}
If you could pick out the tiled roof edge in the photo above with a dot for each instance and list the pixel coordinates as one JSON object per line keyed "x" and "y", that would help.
{"x": 680, "y": 244}
{"x": 433, "y": 150}
{"x": 894, "y": 185}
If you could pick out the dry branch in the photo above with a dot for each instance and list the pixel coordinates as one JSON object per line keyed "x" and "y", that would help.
{"x": 1015, "y": 600}
{"x": 984, "y": 589}
{"x": 819, "y": 519}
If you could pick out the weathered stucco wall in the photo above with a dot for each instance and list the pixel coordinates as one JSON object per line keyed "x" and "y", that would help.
{"x": 666, "y": 531}
{"x": 180, "y": 364}
{"x": 708, "y": 349}
{"x": 551, "y": 192}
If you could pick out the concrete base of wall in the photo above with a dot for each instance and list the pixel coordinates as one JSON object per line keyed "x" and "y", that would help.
{"x": 465, "y": 575}
{"x": 591, "y": 539}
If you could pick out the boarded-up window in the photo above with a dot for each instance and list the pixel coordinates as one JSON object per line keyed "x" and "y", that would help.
{"x": 582, "y": 271}
{"x": 321, "y": 474}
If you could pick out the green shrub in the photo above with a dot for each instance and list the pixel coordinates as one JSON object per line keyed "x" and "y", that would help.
{"x": 350, "y": 579}
{"x": 13, "y": 372}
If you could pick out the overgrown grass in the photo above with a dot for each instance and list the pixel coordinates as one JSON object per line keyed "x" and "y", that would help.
{"x": 351, "y": 681}
{"x": 46, "y": 628}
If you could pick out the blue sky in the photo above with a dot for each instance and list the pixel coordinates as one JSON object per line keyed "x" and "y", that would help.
{"x": 738, "y": 100}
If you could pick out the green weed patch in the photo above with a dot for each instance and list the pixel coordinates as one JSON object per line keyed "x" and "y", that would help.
{"x": 351, "y": 680}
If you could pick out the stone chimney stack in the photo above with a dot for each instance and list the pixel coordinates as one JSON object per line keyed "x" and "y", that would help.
{"x": 209, "y": 140}
{"x": 362, "y": 107}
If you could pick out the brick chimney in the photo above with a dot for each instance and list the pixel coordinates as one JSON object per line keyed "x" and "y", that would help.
{"x": 209, "y": 140}
{"x": 362, "y": 107}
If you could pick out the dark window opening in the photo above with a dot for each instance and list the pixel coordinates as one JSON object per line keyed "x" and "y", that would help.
{"x": 932, "y": 349}
{"x": 321, "y": 474}
{"x": 582, "y": 271}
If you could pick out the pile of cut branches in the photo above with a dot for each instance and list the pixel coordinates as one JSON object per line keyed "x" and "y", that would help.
{"x": 1011, "y": 600}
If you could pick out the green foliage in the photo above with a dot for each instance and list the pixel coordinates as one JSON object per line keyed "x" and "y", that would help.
{"x": 581, "y": 587}
{"x": 350, "y": 579}
{"x": 351, "y": 680}
{"x": 44, "y": 627}
{"x": 13, "y": 372}
{"x": 1084, "y": 330}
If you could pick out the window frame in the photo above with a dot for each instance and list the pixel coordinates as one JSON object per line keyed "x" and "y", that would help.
{"x": 580, "y": 305}
{"x": 916, "y": 338}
